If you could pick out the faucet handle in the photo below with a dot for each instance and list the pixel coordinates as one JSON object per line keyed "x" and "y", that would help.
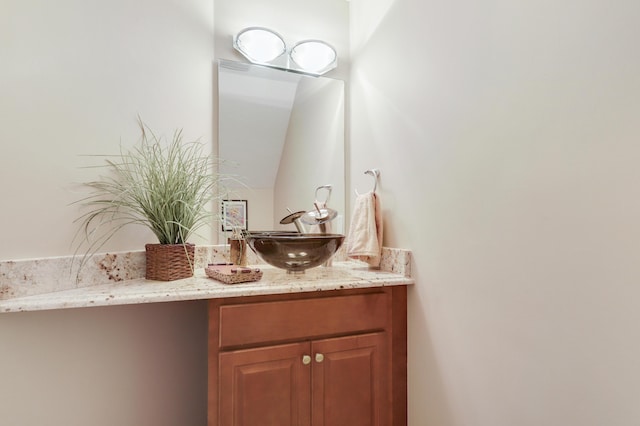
{"x": 293, "y": 218}
{"x": 329, "y": 188}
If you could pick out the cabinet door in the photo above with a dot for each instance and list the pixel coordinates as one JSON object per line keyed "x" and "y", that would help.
{"x": 267, "y": 386}
{"x": 348, "y": 381}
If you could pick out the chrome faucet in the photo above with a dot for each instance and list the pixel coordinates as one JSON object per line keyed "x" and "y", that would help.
{"x": 320, "y": 216}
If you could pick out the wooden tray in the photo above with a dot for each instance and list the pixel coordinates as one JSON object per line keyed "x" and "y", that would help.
{"x": 232, "y": 274}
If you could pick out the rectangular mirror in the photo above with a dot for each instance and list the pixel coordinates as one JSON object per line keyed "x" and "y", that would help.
{"x": 282, "y": 134}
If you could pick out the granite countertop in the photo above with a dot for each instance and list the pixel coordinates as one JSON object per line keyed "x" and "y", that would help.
{"x": 117, "y": 279}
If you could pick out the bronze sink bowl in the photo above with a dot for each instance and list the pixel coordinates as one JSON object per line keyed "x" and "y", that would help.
{"x": 293, "y": 251}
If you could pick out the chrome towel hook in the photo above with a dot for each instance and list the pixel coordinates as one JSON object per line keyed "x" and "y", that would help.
{"x": 375, "y": 173}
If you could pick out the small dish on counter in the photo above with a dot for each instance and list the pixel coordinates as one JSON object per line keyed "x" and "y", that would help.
{"x": 229, "y": 273}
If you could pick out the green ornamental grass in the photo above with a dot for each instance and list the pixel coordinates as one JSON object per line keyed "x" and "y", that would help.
{"x": 167, "y": 187}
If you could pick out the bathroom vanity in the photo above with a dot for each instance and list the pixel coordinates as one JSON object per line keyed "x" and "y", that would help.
{"x": 324, "y": 347}
{"x": 335, "y": 358}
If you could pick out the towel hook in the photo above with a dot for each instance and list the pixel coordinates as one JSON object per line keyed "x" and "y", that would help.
{"x": 375, "y": 173}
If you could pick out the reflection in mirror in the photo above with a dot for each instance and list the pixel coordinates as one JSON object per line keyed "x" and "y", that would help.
{"x": 282, "y": 134}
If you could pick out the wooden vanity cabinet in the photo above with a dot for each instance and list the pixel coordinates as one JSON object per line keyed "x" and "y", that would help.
{"x": 309, "y": 359}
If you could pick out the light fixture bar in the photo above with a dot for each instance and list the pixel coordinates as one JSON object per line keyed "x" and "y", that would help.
{"x": 266, "y": 47}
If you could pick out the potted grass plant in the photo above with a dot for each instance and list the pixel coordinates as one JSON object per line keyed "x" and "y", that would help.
{"x": 166, "y": 186}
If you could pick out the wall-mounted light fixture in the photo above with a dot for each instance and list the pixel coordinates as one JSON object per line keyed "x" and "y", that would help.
{"x": 266, "y": 47}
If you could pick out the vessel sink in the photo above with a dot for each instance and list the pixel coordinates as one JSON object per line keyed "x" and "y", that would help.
{"x": 292, "y": 251}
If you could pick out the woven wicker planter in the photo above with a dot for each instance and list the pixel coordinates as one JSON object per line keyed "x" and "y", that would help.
{"x": 168, "y": 262}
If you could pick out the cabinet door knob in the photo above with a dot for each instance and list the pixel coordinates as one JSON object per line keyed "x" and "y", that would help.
{"x": 306, "y": 359}
{"x": 319, "y": 357}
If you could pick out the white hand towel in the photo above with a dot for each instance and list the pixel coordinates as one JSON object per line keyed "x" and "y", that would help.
{"x": 365, "y": 233}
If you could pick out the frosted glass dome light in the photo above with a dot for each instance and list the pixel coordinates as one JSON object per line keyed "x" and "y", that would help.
{"x": 259, "y": 44}
{"x": 314, "y": 56}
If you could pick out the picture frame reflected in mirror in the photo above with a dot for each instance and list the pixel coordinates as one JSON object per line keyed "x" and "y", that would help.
{"x": 234, "y": 215}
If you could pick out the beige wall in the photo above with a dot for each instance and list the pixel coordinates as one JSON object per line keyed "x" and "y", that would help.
{"x": 125, "y": 365}
{"x": 507, "y": 138}
{"x": 74, "y": 75}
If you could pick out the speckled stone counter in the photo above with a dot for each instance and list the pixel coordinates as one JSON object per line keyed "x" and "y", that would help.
{"x": 117, "y": 279}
